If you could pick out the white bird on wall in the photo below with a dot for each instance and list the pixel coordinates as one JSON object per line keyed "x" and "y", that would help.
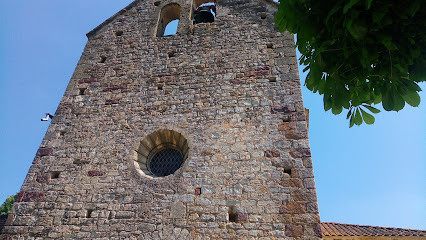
{"x": 48, "y": 115}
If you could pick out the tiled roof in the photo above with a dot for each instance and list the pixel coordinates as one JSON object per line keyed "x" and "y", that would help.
{"x": 340, "y": 229}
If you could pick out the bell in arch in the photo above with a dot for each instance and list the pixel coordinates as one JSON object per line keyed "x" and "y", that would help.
{"x": 205, "y": 13}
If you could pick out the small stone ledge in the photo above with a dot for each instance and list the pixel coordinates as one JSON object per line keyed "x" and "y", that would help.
{"x": 95, "y": 173}
{"x": 30, "y": 196}
{"x": 88, "y": 80}
{"x": 282, "y": 108}
{"x": 44, "y": 151}
{"x": 300, "y": 152}
{"x": 112, "y": 101}
{"x": 259, "y": 72}
{"x": 272, "y": 153}
{"x": 114, "y": 88}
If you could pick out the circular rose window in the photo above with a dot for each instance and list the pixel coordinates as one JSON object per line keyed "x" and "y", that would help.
{"x": 161, "y": 153}
{"x": 165, "y": 162}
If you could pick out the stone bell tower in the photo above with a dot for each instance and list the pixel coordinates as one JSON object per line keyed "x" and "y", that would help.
{"x": 197, "y": 135}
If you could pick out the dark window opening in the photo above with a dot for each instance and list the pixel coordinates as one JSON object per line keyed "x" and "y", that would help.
{"x": 89, "y": 213}
{"x": 232, "y": 214}
{"x": 272, "y": 79}
{"x": 81, "y": 91}
{"x": 160, "y": 87}
{"x": 165, "y": 162}
{"x": 119, "y": 33}
{"x": 269, "y": 45}
{"x": 110, "y": 216}
{"x": 171, "y": 54}
{"x": 55, "y": 175}
{"x": 205, "y": 12}
{"x": 103, "y": 59}
{"x": 288, "y": 171}
{"x": 170, "y": 15}
{"x": 157, "y": 3}
{"x": 263, "y": 16}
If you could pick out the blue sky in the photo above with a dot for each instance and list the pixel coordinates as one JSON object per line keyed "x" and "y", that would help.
{"x": 371, "y": 175}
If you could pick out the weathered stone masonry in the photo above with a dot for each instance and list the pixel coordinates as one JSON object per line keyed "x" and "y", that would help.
{"x": 230, "y": 88}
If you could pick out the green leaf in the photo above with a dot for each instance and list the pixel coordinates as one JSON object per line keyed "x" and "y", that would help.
{"x": 358, "y": 117}
{"x": 412, "y": 98}
{"x": 358, "y": 29}
{"x": 377, "y": 98}
{"x": 349, "y": 114}
{"x": 400, "y": 68}
{"x": 354, "y": 53}
{"x": 337, "y": 110}
{"x": 413, "y": 7}
{"x": 386, "y": 40}
{"x": 413, "y": 87}
{"x": 306, "y": 68}
{"x": 364, "y": 57}
{"x": 415, "y": 52}
{"x": 368, "y": 118}
{"x": 368, "y": 3}
{"x": 349, "y": 5}
{"x": 332, "y": 12}
{"x": 387, "y": 101}
{"x": 379, "y": 14}
{"x": 352, "y": 121}
{"x": 399, "y": 102}
{"x": 327, "y": 102}
{"x": 372, "y": 109}
{"x": 321, "y": 86}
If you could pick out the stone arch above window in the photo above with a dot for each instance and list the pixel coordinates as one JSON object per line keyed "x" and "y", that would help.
{"x": 168, "y": 14}
{"x": 161, "y": 153}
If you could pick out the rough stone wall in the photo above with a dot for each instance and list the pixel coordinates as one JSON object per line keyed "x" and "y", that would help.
{"x": 3, "y": 219}
{"x": 230, "y": 87}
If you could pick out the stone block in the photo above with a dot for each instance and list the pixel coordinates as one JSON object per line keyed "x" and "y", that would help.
{"x": 177, "y": 210}
{"x": 292, "y": 230}
{"x": 272, "y": 153}
{"x": 112, "y": 101}
{"x": 30, "y": 196}
{"x": 291, "y": 207}
{"x": 95, "y": 173}
{"x": 88, "y": 80}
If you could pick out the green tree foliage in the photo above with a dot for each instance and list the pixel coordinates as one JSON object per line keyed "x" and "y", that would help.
{"x": 360, "y": 52}
{"x": 6, "y": 207}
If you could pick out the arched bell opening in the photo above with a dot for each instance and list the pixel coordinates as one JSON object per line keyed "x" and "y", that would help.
{"x": 169, "y": 20}
{"x": 204, "y": 11}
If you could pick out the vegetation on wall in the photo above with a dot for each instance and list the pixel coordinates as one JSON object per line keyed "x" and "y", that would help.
{"x": 360, "y": 52}
{"x": 6, "y": 207}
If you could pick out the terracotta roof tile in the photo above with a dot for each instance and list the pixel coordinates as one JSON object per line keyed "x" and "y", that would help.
{"x": 340, "y": 229}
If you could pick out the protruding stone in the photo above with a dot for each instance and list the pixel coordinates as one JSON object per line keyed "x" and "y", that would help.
{"x": 95, "y": 173}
